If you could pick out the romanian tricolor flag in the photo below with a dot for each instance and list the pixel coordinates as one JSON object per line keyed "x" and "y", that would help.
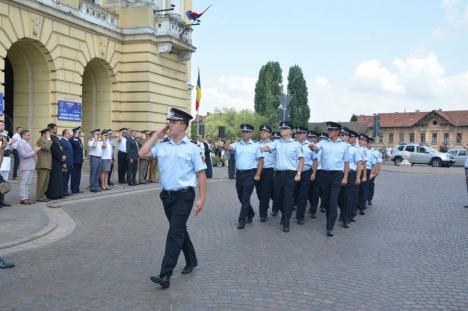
{"x": 198, "y": 98}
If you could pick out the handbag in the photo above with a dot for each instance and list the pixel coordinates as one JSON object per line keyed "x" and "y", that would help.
{"x": 5, "y": 187}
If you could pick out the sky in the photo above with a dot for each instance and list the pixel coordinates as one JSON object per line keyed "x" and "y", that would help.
{"x": 358, "y": 56}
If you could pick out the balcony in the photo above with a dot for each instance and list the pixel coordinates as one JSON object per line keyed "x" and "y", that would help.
{"x": 173, "y": 35}
{"x": 97, "y": 14}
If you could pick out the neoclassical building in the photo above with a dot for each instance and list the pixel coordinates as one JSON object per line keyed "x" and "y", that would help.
{"x": 99, "y": 64}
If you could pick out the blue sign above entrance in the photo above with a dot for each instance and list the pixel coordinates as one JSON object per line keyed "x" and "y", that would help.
{"x": 2, "y": 106}
{"x": 69, "y": 111}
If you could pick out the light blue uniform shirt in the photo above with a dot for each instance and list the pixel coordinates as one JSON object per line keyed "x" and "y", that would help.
{"x": 354, "y": 157}
{"x": 334, "y": 154}
{"x": 309, "y": 155}
{"x": 371, "y": 160}
{"x": 378, "y": 156}
{"x": 247, "y": 154}
{"x": 269, "y": 158}
{"x": 178, "y": 164}
{"x": 287, "y": 153}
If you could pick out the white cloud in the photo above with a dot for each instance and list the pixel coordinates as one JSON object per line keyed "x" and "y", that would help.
{"x": 370, "y": 75}
{"x": 456, "y": 12}
{"x": 416, "y": 82}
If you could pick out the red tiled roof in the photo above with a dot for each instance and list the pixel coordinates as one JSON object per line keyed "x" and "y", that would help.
{"x": 408, "y": 119}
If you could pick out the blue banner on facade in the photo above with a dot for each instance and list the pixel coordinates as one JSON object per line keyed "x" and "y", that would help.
{"x": 1, "y": 104}
{"x": 69, "y": 111}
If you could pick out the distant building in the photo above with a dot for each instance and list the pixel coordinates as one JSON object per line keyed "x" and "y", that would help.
{"x": 436, "y": 128}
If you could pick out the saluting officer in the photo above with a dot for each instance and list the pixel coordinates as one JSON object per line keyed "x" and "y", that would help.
{"x": 308, "y": 174}
{"x": 95, "y": 156}
{"x": 334, "y": 159}
{"x": 181, "y": 168}
{"x": 377, "y": 156}
{"x": 264, "y": 186}
{"x": 78, "y": 159}
{"x": 249, "y": 165}
{"x": 366, "y": 165}
{"x": 348, "y": 193}
{"x": 289, "y": 163}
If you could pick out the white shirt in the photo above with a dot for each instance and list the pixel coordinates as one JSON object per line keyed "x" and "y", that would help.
{"x": 123, "y": 144}
{"x": 106, "y": 152}
{"x": 95, "y": 152}
{"x": 16, "y": 138}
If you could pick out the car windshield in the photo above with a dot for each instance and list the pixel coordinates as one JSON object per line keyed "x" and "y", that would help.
{"x": 453, "y": 152}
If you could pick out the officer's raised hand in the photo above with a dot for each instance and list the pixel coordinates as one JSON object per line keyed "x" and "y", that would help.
{"x": 313, "y": 146}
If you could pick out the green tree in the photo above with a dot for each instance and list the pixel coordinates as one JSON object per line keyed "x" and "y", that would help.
{"x": 299, "y": 108}
{"x": 268, "y": 86}
{"x": 231, "y": 120}
{"x": 353, "y": 118}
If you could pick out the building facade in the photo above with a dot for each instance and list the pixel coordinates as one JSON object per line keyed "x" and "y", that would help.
{"x": 437, "y": 128}
{"x": 99, "y": 64}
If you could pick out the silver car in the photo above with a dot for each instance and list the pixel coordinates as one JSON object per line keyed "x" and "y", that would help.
{"x": 422, "y": 154}
{"x": 460, "y": 156}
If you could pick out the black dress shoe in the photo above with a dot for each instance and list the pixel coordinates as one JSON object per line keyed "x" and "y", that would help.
{"x": 188, "y": 269}
{"x": 263, "y": 219}
{"x": 274, "y": 214}
{"x": 286, "y": 229}
{"x": 300, "y": 221}
{"x": 369, "y": 203}
{"x": 240, "y": 226}
{"x": 314, "y": 215}
{"x": 466, "y": 206}
{"x": 66, "y": 194}
{"x": 322, "y": 210}
{"x": 346, "y": 226}
{"x": 353, "y": 220}
{"x": 6, "y": 204}
{"x": 362, "y": 213}
{"x": 5, "y": 265}
{"x": 164, "y": 281}
{"x": 249, "y": 220}
{"x": 330, "y": 233}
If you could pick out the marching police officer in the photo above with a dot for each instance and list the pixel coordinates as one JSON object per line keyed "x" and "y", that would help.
{"x": 275, "y": 207}
{"x": 249, "y": 165}
{"x": 377, "y": 156}
{"x": 308, "y": 174}
{"x": 366, "y": 164}
{"x": 289, "y": 163}
{"x": 348, "y": 193}
{"x": 264, "y": 186}
{"x": 334, "y": 159}
{"x": 78, "y": 159}
{"x": 181, "y": 168}
{"x": 314, "y": 193}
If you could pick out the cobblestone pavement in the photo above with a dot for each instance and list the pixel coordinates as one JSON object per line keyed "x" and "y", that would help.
{"x": 409, "y": 252}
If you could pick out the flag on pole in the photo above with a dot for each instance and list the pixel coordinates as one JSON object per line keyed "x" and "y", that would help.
{"x": 198, "y": 98}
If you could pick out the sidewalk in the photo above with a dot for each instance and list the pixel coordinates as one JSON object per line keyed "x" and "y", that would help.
{"x": 21, "y": 224}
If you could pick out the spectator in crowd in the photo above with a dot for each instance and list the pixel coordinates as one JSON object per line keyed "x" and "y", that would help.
{"x": 132, "y": 158}
{"x": 27, "y": 164}
{"x": 144, "y": 162}
{"x": 231, "y": 155}
{"x": 106, "y": 160}
{"x": 95, "y": 157}
{"x": 55, "y": 189}
{"x": 109, "y": 175}
{"x": 78, "y": 159}
{"x": 15, "y": 140}
{"x": 7, "y": 150}
{"x": 122, "y": 156}
{"x": 43, "y": 165}
{"x": 68, "y": 164}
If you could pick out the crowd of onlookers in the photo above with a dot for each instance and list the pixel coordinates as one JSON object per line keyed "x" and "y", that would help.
{"x": 57, "y": 162}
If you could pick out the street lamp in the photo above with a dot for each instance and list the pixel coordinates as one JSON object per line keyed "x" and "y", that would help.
{"x": 284, "y": 103}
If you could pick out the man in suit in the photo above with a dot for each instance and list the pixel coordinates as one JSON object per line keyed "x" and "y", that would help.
{"x": 78, "y": 159}
{"x": 122, "y": 156}
{"x": 68, "y": 164}
{"x": 132, "y": 158}
{"x": 27, "y": 164}
{"x": 43, "y": 165}
{"x": 55, "y": 189}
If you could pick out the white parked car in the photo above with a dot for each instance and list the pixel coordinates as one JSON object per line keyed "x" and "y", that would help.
{"x": 460, "y": 156}
{"x": 422, "y": 154}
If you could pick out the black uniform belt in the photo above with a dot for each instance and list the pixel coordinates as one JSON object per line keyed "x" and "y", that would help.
{"x": 247, "y": 171}
{"x": 91, "y": 156}
{"x": 268, "y": 168}
{"x": 330, "y": 172}
{"x": 6, "y": 153}
{"x": 285, "y": 172}
{"x": 185, "y": 190}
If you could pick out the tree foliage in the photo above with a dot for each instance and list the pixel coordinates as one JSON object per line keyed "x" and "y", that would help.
{"x": 231, "y": 120}
{"x": 353, "y": 118}
{"x": 269, "y": 85}
{"x": 299, "y": 108}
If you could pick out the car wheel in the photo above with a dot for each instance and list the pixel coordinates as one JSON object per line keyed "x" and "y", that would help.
{"x": 397, "y": 161}
{"x": 436, "y": 163}
{"x": 219, "y": 164}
